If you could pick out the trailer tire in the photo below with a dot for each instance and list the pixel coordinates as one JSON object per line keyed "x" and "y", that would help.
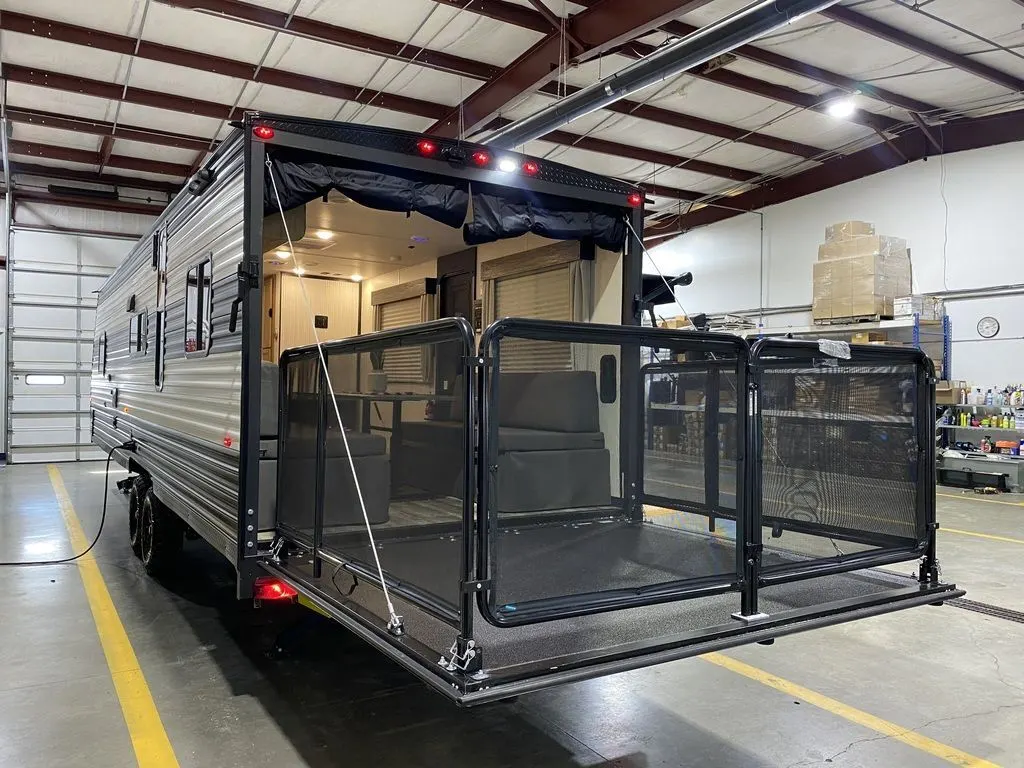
{"x": 160, "y": 535}
{"x": 136, "y": 495}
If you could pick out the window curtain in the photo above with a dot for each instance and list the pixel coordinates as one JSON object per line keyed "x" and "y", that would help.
{"x": 581, "y": 305}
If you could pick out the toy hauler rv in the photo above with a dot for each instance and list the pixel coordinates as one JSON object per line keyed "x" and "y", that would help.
{"x": 405, "y": 378}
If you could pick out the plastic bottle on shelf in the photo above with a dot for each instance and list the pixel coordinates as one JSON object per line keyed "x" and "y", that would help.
{"x": 988, "y": 397}
{"x": 979, "y": 398}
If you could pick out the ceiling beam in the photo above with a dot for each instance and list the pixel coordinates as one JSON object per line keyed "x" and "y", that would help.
{"x": 957, "y": 136}
{"x": 92, "y": 203}
{"x": 106, "y": 41}
{"x": 501, "y": 10}
{"x": 106, "y": 147}
{"x": 811, "y": 72}
{"x": 904, "y": 39}
{"x": 312, "y": 29}
{"x": 86, "y": 157}
{"x": 78, "y": 85}
{"x": 603, "y": 26}
{"x": 103, "y": 128}
{"x": 328, "y": 33}
{"x": 71, "y": 174}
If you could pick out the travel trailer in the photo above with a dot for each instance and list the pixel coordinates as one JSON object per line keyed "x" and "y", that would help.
{"x": 404, "y": 379}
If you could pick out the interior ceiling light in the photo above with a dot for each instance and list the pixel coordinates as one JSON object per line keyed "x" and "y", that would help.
{"x": 355, "y": 278}
{"x": 419, "y": 238}
{"x": 507, "y": 165}
{"x": 325, "y": 234}
{"x": 299, "y": 271}
{"x": 282, "y": 254}
{"x": 842, "y": 108}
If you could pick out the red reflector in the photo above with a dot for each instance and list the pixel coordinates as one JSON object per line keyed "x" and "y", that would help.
{"x": 269, "y": 588}
{"x": 426, "y": 147}
{"x": 481, "y": 158}
{"x": 227, "y": 441}
{"x": 264, "y": 132}
{"x": 635, "y": 199}
{"x": 530, "y": 168}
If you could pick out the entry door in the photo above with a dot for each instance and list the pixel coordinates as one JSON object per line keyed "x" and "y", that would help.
{"x": 52, "y": 283}
{"x": 456, "y": 288}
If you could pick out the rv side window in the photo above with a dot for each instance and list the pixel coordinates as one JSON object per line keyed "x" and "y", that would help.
{"x": 101, "y": 353}
{"x": 198, "y": 298}
{"x": 138, "y": 329}
{"x": 158, "y": 343}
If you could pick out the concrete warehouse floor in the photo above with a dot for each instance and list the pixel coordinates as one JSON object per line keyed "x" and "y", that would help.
{"x": 924, "y": 687}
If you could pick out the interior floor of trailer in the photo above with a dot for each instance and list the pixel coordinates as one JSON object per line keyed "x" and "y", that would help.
{"x": 948, "y": 684}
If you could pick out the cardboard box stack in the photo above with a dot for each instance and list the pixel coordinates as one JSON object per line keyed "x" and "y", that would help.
{"x": 859, "y": 273}
{"x": 927, "y": 307}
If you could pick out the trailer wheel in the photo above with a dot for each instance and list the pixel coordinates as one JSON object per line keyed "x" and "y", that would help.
{"x": 160, "y": 535}
{"x": 136, "y": 495}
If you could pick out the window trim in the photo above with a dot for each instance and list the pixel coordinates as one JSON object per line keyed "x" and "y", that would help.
{"x": 207, "y": 310}
{"x": 424, "y": 289}
{"x": 138, "y": 325}
{"x": 101, "y": 355}
{"x": 160, "y": 347}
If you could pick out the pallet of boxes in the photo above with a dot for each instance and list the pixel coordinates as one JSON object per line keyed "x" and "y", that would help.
{"x": 858, "y": 274}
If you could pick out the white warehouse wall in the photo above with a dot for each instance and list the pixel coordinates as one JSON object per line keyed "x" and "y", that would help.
{"x": 972, "y": 240}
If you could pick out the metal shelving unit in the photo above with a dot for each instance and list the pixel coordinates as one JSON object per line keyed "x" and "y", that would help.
{"x": 933, "y": 337}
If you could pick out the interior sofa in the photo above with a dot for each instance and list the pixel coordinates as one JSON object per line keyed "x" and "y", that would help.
{"x": 550, "y": 455}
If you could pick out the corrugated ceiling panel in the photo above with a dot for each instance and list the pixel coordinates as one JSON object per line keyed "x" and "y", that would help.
{"x": 270, "y": 98}
{"x": 154, "y": 152}
{"x": 183, "y": 81}
{"x": 949, "y": 88}
{"x": 60, "y": 102}
{"x": 58, "y": 138}
{"x": 458, "y": 32}
{"x": 15, "y": 157}
{"x": 179, "y": 122}
{"x": 681, "y": 179}
{"x": 38, "y": 52}
{"x": 384, "y": 118}
{"x": 120, "y": 16}
{"x": 220, "y": 37}
{"x": 591, "y": 71}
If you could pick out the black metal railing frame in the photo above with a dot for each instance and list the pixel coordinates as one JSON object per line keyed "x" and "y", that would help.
{"x": 479, "y": 525}
{"x": 444, "y": 331}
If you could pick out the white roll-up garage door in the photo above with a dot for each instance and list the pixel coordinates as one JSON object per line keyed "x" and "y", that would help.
{"x": 52, "y": 284}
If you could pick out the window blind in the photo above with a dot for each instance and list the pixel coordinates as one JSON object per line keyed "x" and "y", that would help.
{"x": 403, "y": 364}
{"x": 542, "y": 296}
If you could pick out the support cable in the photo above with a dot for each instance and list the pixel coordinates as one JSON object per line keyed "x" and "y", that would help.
{"x": 395, "y": 625}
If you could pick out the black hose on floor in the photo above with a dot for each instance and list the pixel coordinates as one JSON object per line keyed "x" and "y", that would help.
{"x": 127, "y": 446}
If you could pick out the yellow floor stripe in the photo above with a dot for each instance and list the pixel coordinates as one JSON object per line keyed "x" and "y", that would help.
{"x": 149, "y": 739}
{"x": 991, "y": 536}
{"x": 864, "y": 719}
{"x": 979, "y": 497}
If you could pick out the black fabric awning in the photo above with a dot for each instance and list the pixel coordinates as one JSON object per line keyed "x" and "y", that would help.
{"x": 498, "y": 212}
{"x": 393, "y": 189}
{"x": 502, "y": 212}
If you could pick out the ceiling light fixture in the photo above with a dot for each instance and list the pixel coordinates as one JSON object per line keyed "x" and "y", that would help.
{"x": 299, "y": 271}
{"x": 325, "y": 234}
{"x": 355, "y": 278}
{"x": 283, "y": 254}
{"x": 842, "y": 108}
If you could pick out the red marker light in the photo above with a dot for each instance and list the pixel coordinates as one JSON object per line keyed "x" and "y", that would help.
{"x": 269, "y": 588}
{"x": 227, "y": 441}
{"x": 531, "y": 168}
{"x": 264, "y": 132}
{"x": 481, "y": 158}
{"x": 426, "y": 147}
{"x": 635, "y": 199}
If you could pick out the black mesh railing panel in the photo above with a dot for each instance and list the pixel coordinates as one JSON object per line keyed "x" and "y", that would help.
{"x": 563, "y": 442}
{"x": 839, "y": 452}
{"x": 402, "y": 437}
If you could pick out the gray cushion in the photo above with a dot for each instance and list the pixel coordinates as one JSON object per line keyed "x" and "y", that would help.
{"x": 531, "y": 481}
{"x": 516, "y": 439}
{"x": 558, "y": 401}
{"x": 270, "y": 377}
